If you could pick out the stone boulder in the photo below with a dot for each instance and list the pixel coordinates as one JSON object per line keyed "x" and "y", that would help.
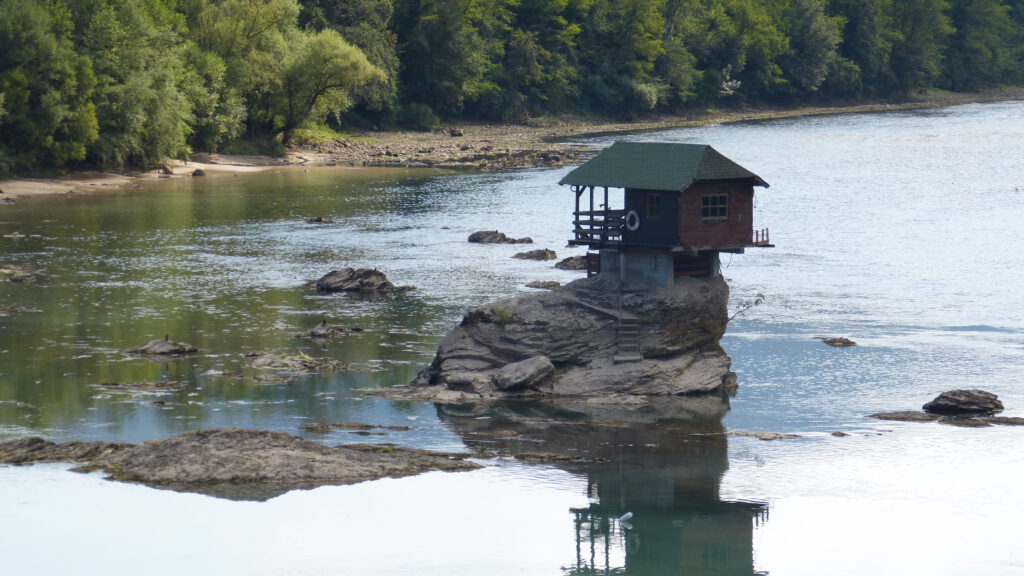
{"x": 522, "y": 375}
{"x": 495, "y": 237}
{"x": 544, "y": 284}
{"x": 572, "y": 263}
{"x": 362, "y": 280}
{"x": 576, "y": 329}
{"x": 540, "y": 254}
{"x": 964, "y": 402}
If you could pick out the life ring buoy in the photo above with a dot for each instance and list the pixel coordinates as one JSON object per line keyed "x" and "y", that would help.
{"x": 632, "y": 221}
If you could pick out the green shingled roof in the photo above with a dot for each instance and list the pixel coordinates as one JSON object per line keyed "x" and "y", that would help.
{"x": 657, "y": 166}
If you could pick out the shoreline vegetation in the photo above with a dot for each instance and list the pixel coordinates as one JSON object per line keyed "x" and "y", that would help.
{"x": 467, "y": 146}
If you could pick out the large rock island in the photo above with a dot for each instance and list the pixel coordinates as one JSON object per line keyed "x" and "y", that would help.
{"x": 593, "y": 338}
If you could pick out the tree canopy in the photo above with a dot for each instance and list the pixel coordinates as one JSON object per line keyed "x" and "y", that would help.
{"x": 115, "y": 82}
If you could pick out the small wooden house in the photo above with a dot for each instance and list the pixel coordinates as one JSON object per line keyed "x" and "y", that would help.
{"x": 683, "y": 204}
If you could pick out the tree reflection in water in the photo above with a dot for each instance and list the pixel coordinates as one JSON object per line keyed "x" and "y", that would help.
{"x": 653, "y": 476}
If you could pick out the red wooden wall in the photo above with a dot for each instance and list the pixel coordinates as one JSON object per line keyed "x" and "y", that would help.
{"x": 734, "y": 231}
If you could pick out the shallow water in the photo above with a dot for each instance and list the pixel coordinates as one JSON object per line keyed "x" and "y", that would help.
{"x": 898, "y": 230}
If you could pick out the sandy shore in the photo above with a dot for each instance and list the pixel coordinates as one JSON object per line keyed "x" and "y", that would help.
{"x": 465, "y": 146}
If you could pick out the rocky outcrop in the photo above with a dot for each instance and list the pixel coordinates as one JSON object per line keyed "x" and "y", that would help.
{"x": 572, "y": 263}
{"x": 495, "y": 237}
{"x": 967, "y": 408}
{"x": 838, "y": 342}
{"x": 539, "y": 254}
{"x": 247, "y": 464}
{"x": 165, "y": 347}
{"x": 35, "y": 449}
{"x": 362, "y": 280}
{"x": 906, "y": 416}
{"x": 964, "y": 402}
{"x": 575, "y": 329}
{"x": 298, "y": 363}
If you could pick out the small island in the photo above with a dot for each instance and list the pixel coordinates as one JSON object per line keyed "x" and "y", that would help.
{"x": 647, "y": 320}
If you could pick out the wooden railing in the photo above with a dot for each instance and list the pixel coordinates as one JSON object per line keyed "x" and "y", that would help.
{"x": 761, "y": 238}
{"x": 599, "y": 225}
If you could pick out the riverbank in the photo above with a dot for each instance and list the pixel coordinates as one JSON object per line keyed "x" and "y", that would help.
{"x": 493, "y": 147}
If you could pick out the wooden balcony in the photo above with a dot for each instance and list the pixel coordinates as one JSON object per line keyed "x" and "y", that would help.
{"x": 598, "y": 227}
{"x": 762, "y": 239}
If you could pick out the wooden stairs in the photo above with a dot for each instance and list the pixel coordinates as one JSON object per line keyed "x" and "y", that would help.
{"x": 629, "y": 341}
{"x": 628, "y": 344}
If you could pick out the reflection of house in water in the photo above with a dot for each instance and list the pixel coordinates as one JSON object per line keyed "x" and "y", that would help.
{"x": 666, "y": 474}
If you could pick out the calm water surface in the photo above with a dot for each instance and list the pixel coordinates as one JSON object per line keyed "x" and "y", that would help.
{"x": 900, "y": 230}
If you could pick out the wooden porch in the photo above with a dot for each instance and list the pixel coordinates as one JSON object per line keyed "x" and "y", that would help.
{"x": 596, "y": 227}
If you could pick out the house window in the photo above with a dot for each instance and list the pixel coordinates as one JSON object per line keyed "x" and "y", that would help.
{"x": 714, "y": 206}
{"x": 652, "y": 205}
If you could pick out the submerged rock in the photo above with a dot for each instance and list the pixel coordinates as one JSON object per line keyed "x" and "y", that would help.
{"x": 146, "y": 385}
{"x": 840, "y": 342}
{"x": 495, "y": 237}
{"x": 1006, "y": 420}
{"x": 13, "y": 273}
{"x": 164, "y": 347}
{"x": 323, "y": 330}
{"x": 357, "y": 280}
{"x": 576, "y": 330}
{"x": 540, "y": 254}
{"x": 761, "y": 435}
{"x": 298, "y": 363}
{"x": 223, "y": 462}
{"x": 906, "y": 416}
{"x": 961, "y": 402}
{"x": 35, "y": 449}
{"x": 544, "y": 284}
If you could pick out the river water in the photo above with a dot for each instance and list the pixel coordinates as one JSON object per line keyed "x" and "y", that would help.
{"x": 901, "y": 231}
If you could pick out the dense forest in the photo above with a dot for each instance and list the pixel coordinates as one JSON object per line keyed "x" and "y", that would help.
{"x": 116, "y": 82}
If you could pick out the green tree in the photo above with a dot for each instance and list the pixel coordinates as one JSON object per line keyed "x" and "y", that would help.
{"x": 678, "y": 65}
{"x": 538, "y": 74}
{"x": 241, "y": 46}
{"x": 981, "y": 49}
{"x": 712, "y": 36}
{"x": 762, "y": 43}
{"x": 448, "y": 59}
{"x": 47, "y": 88}
{"x": 619, "y": 49}
{"x": 867, "y": 40}
{"x": 921, "y": 28}
{"x": 318, "y": 76}
{"x": 813, "y": 38}
{"x": 366, "y": 25}
{"x": 137, "y": 53}
{"x": 218, "y": 109}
